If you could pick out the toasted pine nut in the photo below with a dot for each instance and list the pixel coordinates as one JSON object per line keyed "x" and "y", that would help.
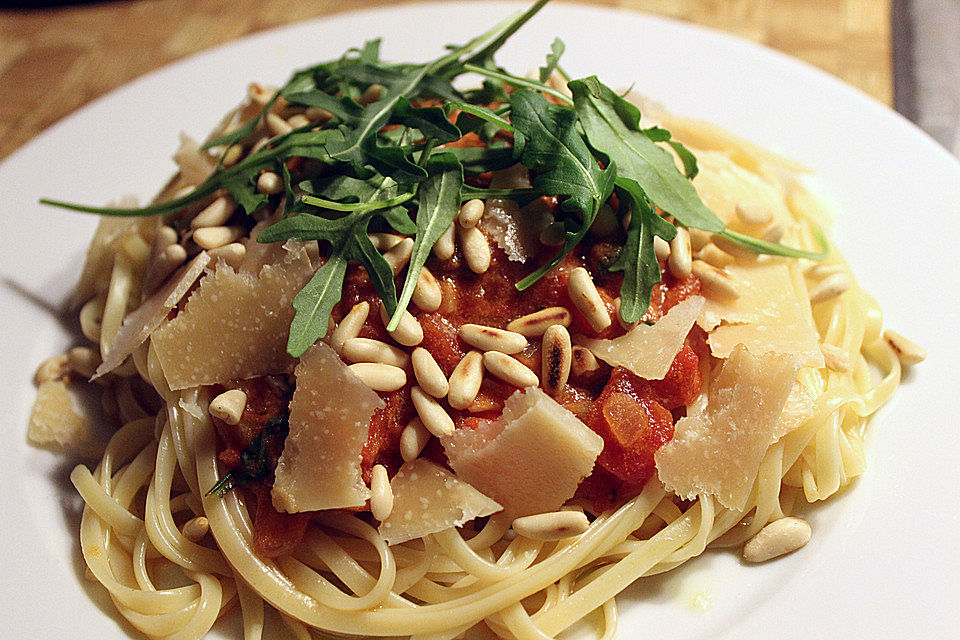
{"x": 413, "y": 439}
{"x": 316, "y": 114}
{"x": 908, "y": 351}
{"x": 444, "y": 246}
{"x": 470, "y": 213}
{"x": 717, "y": 283}
{"x": 409, "y": 333}
{"x": 259, "y": 94}
{"x": 509, "y": 369}
{"x": 379, "y": 376}
{"x": 536, "y": 323}
{"x": 162, "y": 265}
{"x": 729, "y": 246}
{"x": 679, "y": 260}
{"x": 231, "y": 254}
{"x": 778, "y": 538}
{"x": 385, "y": 241}
{"x": 232, "y": 155}
{"x": 429, "y": 374}
{"x": 476, "y": 249}
{"x": 435, "y": 419}
{"x": 465, "y": 380}
{"x": 753, "y": 212}
{"x": 350, "y": 326}
{"x": 195, "y": 529}
{"x": 620, "y": 321}
{"x": 276, "y": 125}
{"x": 835, "y": 358}
{"x": 556, "y": 525}
{"x": 83, "y": 361}
{"x": 269, "y": 183}
{"x": 54, "y": 368}
{"x": 819, "y": 271}
{"x": 553, "y": 234}
{"x": 661, "y": 248}
{"x": 698, "y": 238}
{"x": 229, "y": 406}
{"x": 212, "y": 237}
{"x": 165, "y": 237}
{"x": 556, "y": 357}
{"x": 427, "y": 294}
{"x": 583, "y": 361}
{"x": 829, "y": 288}
{"x": 367, "y": 350}
{"x": 605, "y": 224}
{"x": 583, "y": 292}
{"x": 715, "y": 256}
{"x": 381, "y": 494}
{"x": 492, "y": 339}
{"x": 774, "y": 232}
{"x": 298, "y": 120}
{"x": 399, "y": 255}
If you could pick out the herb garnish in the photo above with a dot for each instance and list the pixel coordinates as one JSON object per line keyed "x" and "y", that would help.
{"x": 383, "y": 165}
{"x": 255, "y": 463}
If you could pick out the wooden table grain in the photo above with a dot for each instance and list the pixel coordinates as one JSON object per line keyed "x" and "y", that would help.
{"x": 53, "y": 61}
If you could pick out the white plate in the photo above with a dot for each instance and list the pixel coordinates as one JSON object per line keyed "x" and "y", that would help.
{"x": 884, "y": 561}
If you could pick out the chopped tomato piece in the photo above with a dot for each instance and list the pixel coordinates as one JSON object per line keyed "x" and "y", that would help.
{"x": 275, "y": 533}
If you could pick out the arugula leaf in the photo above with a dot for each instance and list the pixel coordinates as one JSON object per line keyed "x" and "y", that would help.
{"x": 430, "y": 121}
{"x": 612, "y": 127}
{"x": 553, "y": 58}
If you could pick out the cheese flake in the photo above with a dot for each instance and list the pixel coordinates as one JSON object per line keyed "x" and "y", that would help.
{"x": 234, "y": 326}
{"x": 55, "y": 421}
{"x": 427, "y": 499}
{"x": 719, "y": 450}
{"x": 649, "y": 350}
{"x": 330, "y": 416}
{"x": 531, "y": 460}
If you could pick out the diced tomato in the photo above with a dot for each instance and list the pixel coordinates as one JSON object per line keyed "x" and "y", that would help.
{"x": 682, "y": 382}
{"x": 441, "y": 340}
{"x": 383, "y": 439}
{"x": 275, "y": 533}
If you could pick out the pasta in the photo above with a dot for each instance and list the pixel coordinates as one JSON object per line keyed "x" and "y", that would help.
{"x": 176, "y": 554}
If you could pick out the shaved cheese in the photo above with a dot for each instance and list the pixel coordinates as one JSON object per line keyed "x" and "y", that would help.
{"x": 648, "y": 350}
{"x": 719, "y": 451}
{"x": 234, "y": 326}
{"x": 515, "y": 230}
{"x": 99, "y": 260}
{"x": 531, "y": 460}
{"x": 56, "y": 421}
{"x": 330, "y": 416}
{"x": 195, "y": 164}
{"x": 800, "y": 405}
{"x": 772, "y": 314}
{"x": 141, "y": 323}
{"x": 427, "y": 498}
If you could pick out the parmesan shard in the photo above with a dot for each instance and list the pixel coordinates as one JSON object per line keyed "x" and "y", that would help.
{"x": 56, "y": 422}
{"x": 427, "y": 499}
{"x": 330, "y": 416}
{"x": 772, "y": 314}
{"x": 234, "y": 326}
{"x": 719, "y": 451}
{"x": 531, "y": 460}
{"x": 195, "y": 164}
{"x": 800, "y": 405}
{"x": 99, "y": 259}
{"x": 514, "y": 229}
{"x": 649, "y": 350}
{"x": 139, "y": 324}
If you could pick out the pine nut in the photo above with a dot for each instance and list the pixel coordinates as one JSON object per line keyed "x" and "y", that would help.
{"x": 492, "y": 339}
{"x": 465, "y": 380}
{"x": 476, "y": 249}
{"x": 259, "y": 94}
{"x": 583, "y": 361}
{"x": 627, "y": 219}
{"x": 470, "y": 213}
{"x": 413, "y": 439}
{"x": 715, "y": 256}
{"x": 379, "y": 376}
{"x": 717, "y": 283}
{"x": 557, "y": 525}
{"x": 229, "y": 406}
{"x": 729, "y": 246}
{"x": 429, "y": 374}
{"x": 829, "y": 288}
{"x": 399, "y": 255}
{"x": 54, "y": 368}
{"x": 679, "y": 261}
{"x": 381, "y": 494}
{"x": 162, "y": 265}
{"x": 444, "y": 247}
{"x": 367, "y": 350}
{"x": 698, "y": 238}
{"x": 385, "y": 241}
{"x": 774, "y": 232}
{"x": 605, "y": 224}
{"x": 661, "y": 248}
{"x": 435, "y": 419}
{"x": 753, "y": 213}
{"x": 164, "y": 237}
{"x": 269, "y": 183}
{"x": 620, "y": 321}
{"x": 535, "y": 324}
{"x": 276, "y": 125}
{"x": 778, "y": 538}
{"x": 212, "y": 237}
{"x": 298, "y": 120}
{"x": 427, "y": 295}
{"x": 908, "y": 351}
{"x": 316, "y": 114}
{"x": 214, "y": 214}
{"x": 835, "y": 358}
{"x": 583, "y": 292}
{"x": 231, "y": 254}
{"x": 409, "y": 333}
{"x": 350, "y": 326}
{"x": 556, "y": 357}
{"x": 553, "y": 235}
{"x": 83, "y": 361}
{"x": 232, "y": 155}
{"x": 820, "y": 271}
{"x": 509, "y": 369}
{"x": 195, "y": 529}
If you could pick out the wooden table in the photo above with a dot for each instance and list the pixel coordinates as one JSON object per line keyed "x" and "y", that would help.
{"x": 55, "y": 60}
